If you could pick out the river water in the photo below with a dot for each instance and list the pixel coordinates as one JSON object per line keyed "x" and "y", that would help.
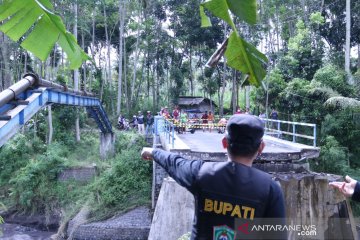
{"x": 18, "y": 232}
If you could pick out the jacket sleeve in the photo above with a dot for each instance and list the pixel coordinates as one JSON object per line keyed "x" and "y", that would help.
{"x": 183, "y": 171}
{"x": 356, "y": 195}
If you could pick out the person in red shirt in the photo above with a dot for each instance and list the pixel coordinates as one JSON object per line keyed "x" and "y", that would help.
{"x": 176, "y": 113}
{"x": 204, "y": 118}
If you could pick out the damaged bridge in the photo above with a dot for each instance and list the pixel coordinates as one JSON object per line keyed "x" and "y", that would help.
{"x": 308, "y": 198}
{"x": 21, "y": 101}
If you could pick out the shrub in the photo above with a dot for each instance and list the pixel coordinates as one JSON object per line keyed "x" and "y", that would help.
{"x": 33, "y": 187}
{"x": 333, "y": 157}
{"x": 335, "y": 78}
{"x": 16, "y": 153}
{"x": 127, "y": 183}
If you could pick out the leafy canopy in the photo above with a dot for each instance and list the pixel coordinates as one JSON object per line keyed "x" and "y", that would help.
{"x": 240, "y": 54}
{"x": 45, "y": 27}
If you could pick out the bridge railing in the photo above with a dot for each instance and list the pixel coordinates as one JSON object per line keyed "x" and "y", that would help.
{"x": 273, "y": 126}
{"x": 165, "y": 128}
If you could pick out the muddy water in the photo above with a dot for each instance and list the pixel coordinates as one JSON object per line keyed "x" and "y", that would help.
{"x": 18, "y": 232}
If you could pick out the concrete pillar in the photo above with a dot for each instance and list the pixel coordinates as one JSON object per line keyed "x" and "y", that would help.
{"x": 174, "y": 212}
{"x": 107, "y": 142}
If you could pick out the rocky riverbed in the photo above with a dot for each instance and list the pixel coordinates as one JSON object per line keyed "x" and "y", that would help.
{"x": 18, "y": 232}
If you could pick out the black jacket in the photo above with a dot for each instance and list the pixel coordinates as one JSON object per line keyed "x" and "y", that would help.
{"x": 149, "y": 119}
{"x": 140, "y": 119}
{"x": 356, "y": 195}
{"x": 224, "y": 192}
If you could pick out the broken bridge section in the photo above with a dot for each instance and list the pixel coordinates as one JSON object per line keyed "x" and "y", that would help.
{"x": 308, "y": 198}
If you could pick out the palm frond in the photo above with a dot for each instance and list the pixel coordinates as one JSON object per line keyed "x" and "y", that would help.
{"x": 342, "y": 103}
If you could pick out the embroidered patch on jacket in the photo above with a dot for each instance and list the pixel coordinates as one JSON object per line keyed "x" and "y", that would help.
{"x": 223, "y": 233}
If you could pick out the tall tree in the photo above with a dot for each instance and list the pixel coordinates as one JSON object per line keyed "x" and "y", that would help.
{"x": 122, "y": 12}
{"x": 76, "y": 72}
{"x": 347, "y": 42}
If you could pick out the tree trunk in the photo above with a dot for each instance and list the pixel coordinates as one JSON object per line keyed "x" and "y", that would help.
{"x": 141, "y": 81}
{"x": 277, "y": 30}
{"x": 223, "y": 85}
{"x": 153, "y": 90}
{"x": 108, "y": 48}
{"x": 125, "y": 80}
{"x": 121, "y": 33}
{"x": 25, "y": 62}
{"x": 233, "y": 92}
{"x": 247, "y": 91}
{"x": 157, "y": 85}
{"x": 191, "y": 73}
{"x": 7, "y": 81}
{"x": 83, "y": 86}
{"x": 347, "y": 43}
{"x": 137, "y": 53}
{"x": 50, "y": 130}
{"x": 238, "y": 76}
{"x": 148, "y": 72}
{"x": 304, "y": 12}
{"x": 76, "y": 75}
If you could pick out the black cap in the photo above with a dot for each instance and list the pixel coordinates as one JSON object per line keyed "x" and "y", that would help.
{"x": 245, "y": 130}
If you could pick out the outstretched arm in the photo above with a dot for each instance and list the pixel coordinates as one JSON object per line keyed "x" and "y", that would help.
{"x": 183, "y": 171}
{"x": 350, "y": 188}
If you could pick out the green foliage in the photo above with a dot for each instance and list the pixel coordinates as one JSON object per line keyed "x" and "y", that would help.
{"x": 304, "y": 56}
{"x": 85, "y": 152}
{"x": 46, "y": 29}
{"x": 65, "y": 117}
{"x": 127, "y": 183}
{"x": 275, "y": 84}
{"x": 334, "y": 78}
{"x": 178, "y": 76}
{"x": 30, "y": 169}
{"x": 333, "y": 157}
{"x": 31, "y": 185}
{"x": 208, "y": 82}
{"x": 316, "y": 18}
{"x": 344, "y": 126}
{"x": 295, "y": 95}
{"x": 334, "y": 29}
{"x": 338, "y": 103}
{"x": 16, "y": 153}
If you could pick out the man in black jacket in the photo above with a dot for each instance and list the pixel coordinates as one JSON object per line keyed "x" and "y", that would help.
{"x": 227, "y": 191}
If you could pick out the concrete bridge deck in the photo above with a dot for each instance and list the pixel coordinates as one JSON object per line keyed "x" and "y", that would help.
{"x": 275, "y": 149}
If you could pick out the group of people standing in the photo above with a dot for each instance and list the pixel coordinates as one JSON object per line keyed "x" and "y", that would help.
{"x": 208, "y": 120}
{"x": 144, "y": 124}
